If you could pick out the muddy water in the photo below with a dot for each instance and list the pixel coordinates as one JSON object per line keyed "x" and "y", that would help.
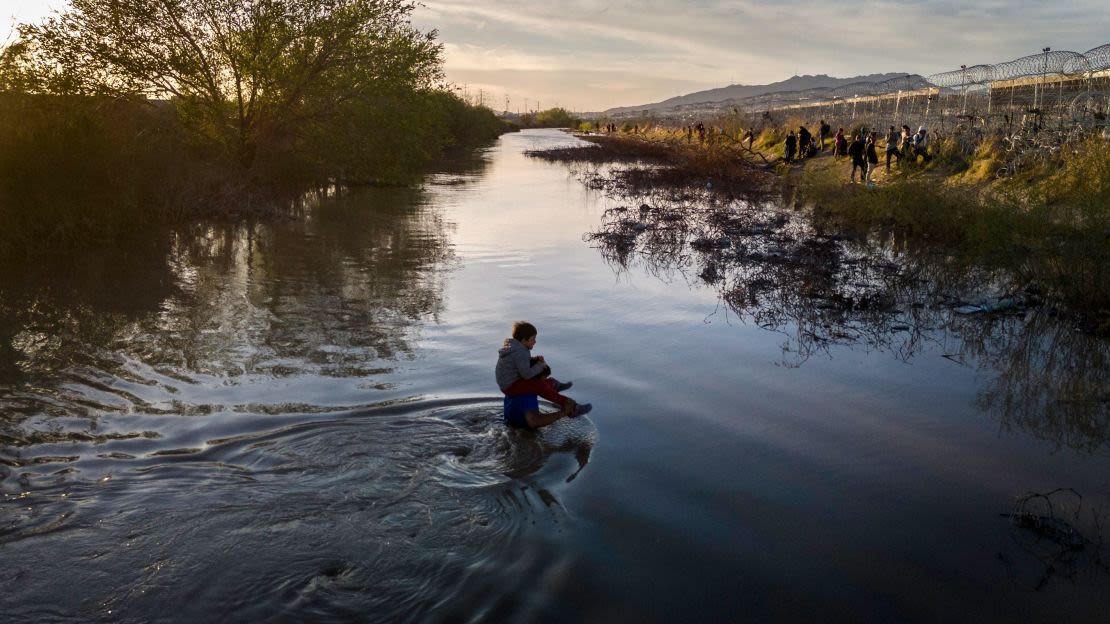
{"x": 298, "y": 421}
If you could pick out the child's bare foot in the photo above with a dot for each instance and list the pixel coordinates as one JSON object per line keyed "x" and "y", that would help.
{"x": 563, "y": 385}
{"x": 582, "y": 409}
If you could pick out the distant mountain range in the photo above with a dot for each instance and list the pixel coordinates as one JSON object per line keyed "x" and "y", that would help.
{"x": 732, "y": 92}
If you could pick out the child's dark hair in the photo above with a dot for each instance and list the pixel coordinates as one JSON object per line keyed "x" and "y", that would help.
{"x": 523, "y": 330}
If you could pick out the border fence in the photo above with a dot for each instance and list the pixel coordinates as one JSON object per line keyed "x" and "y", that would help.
{"x": 1054, "y": 89}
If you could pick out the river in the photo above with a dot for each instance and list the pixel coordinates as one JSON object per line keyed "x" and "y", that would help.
{"x": 297, "y": 421}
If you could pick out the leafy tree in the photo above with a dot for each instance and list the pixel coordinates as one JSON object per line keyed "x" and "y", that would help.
{"x": 244, "y": 74}
{"x": 389, "y": 137}
{"x": 551, "y": 118}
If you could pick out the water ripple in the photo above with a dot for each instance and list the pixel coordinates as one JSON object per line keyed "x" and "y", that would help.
{"x": 395, "y": 509}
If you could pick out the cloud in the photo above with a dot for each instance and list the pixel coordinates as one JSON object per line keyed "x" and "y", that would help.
{"x": 656, "y": 49}
{"x": 669, "y": 46}
{"x": 571, "y": 89}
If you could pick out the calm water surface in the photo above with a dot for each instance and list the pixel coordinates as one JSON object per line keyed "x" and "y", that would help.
{"x": 299, "y": 421}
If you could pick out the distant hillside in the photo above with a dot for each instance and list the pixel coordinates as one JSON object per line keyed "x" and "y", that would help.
{"x": 796, "y": 83}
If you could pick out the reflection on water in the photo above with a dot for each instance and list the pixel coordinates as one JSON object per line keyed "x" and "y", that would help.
{"x": 295, "y": 420}
{"x": 1048, "y": 379}
{"x": 784, "y": 272}
{"x": 230, "y": 389}
{"x": 334, "y": 294}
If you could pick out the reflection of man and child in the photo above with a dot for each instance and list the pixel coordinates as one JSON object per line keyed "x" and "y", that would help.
{"x": 524, "y": 378}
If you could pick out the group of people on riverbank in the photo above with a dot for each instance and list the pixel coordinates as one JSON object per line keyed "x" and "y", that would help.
{"x": 804, "y": 144}
{"x": 705, "y": 134}
{"x": 862, "y": 149}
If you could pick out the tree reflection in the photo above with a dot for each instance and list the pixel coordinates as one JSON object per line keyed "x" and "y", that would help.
{"x": 1051, "y": 379}
{"x": 335, "y": 290}
{"x": 784, "y": 271}
{"x": 46, "y": 302}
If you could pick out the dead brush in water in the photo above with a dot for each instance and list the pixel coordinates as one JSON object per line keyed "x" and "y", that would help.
{"x": 1052, "y": 231}
{"x": 657, "y": 234}
{"x": 717, "y": 169}
{"x": 608, "y": 150}
{"x": 1045, "y": 528}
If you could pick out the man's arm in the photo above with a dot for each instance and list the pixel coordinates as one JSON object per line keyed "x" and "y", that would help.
{"x": 525, "y": 368}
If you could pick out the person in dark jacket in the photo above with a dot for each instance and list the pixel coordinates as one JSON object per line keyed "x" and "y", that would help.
{"x": 840, "y": 144}
{"x": 872, "y": 158}
{"x": 804, "y": 139}
{"x": 823, "y": 133}
{"x": 892, "y": 138}
{"x": 856, "y": 154}
{"x": 791, "y": 147}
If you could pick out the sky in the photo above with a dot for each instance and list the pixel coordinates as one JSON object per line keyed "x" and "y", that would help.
{"x": 590, "y": 55}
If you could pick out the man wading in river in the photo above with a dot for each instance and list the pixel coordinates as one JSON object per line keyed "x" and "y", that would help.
{"x": 522, "y": 377}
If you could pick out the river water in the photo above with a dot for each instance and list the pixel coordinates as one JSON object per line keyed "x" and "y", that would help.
{"x": 298, "y": 421}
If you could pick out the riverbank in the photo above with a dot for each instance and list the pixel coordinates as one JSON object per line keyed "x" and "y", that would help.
{"x": 295, "y": 420}
{"x": 90, "y": 171}
{"x": 1046, "y": 231}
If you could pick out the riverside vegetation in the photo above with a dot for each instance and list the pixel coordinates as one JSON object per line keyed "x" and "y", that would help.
{"x": 1046, "y": 230}
{"x": 120, "y": 116}
{"x": 897, "y": 269}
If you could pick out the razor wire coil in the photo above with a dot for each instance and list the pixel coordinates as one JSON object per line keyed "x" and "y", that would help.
{"x": 966, "y": 79}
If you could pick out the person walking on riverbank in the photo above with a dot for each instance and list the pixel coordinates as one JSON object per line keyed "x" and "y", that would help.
{"x": 804, "y": 140}
{"x": 856, "y": 154}
{"x": 791, "y": 146}
{"x": 822, "y": 134}
{"x": 892, "y": 138}
{"x": 522, "y": 377}
{"x": 872, "y": 158}
{"x": 907, "y": 142}
{"x": 921, "y": 144}
{"x": 840, "y": 144}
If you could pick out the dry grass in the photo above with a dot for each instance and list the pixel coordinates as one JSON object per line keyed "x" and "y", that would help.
{"x": 719, "y": 166}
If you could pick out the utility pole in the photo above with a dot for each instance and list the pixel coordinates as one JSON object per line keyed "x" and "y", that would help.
{"x": 963, "y": 68}
{"x": 1044, "y": 70}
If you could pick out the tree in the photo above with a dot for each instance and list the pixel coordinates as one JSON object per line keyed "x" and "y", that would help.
{"x": 243, "y": 73}
{"x": 551, "y": 118}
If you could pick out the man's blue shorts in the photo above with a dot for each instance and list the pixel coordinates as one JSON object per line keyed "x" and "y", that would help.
{"x": 516, "y": 406}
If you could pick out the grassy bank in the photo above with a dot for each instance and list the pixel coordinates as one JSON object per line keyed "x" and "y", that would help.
{"x": 1048, "y": 227}
{"x": 83, "y": 171}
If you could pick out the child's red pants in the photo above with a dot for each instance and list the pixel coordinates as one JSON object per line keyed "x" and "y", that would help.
{"x": 544, "y": 387}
